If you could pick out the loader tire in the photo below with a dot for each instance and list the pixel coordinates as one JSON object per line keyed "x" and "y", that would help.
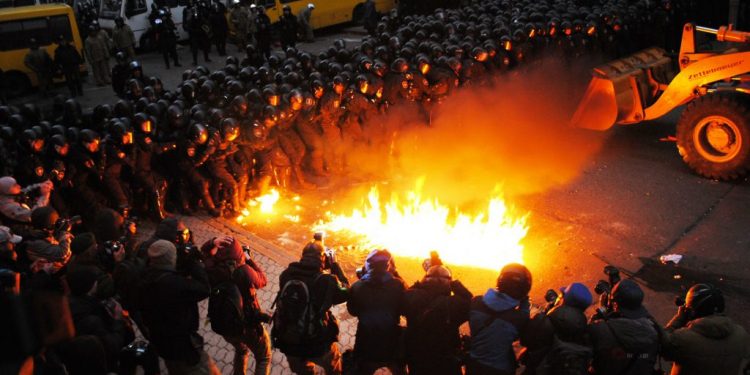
{"x": 713, "y": 136}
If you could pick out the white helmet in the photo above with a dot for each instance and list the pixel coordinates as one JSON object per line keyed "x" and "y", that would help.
{"x": 311, "y": 5}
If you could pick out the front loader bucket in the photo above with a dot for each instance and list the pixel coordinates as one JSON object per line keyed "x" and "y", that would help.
{"x": 598, "y": 108}
{"x": 619, "y": 90}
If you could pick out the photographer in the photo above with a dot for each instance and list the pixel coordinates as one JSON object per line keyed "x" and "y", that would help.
{"x": 307, "y": 287}
{"x": 376, "y": 299}
{"x": 49, "y": 236}
{"x": 435, "y": 308}
{"x": 8, "y": 256}
{"x": 496, "y": 320}
{"x": 231, "y": 270}
{"x": 701, "y": 339}
{"x": 556, "y": 337}
{"x": 170, "y": 310}
{"x": 92, "y": 316}
{"x": 13, "y": 212}
{"x": 624, "y": 338}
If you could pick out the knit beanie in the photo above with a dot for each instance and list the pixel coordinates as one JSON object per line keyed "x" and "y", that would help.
{"x": 162, "y": 254}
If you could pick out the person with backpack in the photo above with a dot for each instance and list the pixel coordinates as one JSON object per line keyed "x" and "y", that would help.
{"x": 304, "y": 328}
{"x": 170, "y": 310}
{"x": 233, "y": 308}
{"x": 435, "y": 308}
{"x": 376, "y": 299}
{"x": 496, "y": 320}
{"x": 555, "y": 340}
{"x": 702, "y": 340}
{"x": 625, "y": 340}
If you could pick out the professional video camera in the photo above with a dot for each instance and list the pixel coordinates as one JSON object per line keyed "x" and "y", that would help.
{"x": 604, "y": 289}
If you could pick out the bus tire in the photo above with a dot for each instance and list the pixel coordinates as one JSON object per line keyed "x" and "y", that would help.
{"x": 18, "y": 83}
{"x": 358, "y": 14}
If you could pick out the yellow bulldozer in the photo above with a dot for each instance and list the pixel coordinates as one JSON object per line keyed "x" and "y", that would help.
{"x": 713, "y": 132}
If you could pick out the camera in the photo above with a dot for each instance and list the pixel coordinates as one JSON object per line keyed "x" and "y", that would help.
{"x": 67, "y": 224}
{"x": 604, "y": 289}
{"x": 330, "y": 255}
{"x": 246, "y": 251}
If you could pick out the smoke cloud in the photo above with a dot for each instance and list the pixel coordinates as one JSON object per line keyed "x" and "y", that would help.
{"x": 514, "y": 134}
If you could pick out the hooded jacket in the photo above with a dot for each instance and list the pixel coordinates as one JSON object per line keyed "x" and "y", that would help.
{"x": 434, "y": 312}
{"x": 376, "y": 300}
{"x": 625, "y": 344}
{"x": 309, "y": 271}
{"x": 170, "y": 311}
{"x": 496, "y": 320}
{"x": 712, "y": 345}
{"x": 568, "y": 323}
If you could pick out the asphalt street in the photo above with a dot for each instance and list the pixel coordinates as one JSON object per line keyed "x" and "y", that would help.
{"x": 633, "y": 202}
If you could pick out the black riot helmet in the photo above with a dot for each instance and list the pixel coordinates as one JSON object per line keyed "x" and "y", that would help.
{"x": 515, "y": 281}
{"x": 188, "y": 91}
{"x": 215, "y": 115}
{"x": 239, "y": 106}
{"x": 628, "y": 295}
{"x": 175, "y": 117}
{"x": 230, "y": 129}
{"x": 33, "y": 140}
{"x": 703, "y": 300}
{"x": 198, "y": 133}
{"x": 89, "y": 139}
{"x": 59, "y": 143}
{"x": 400, "y": 65}
{"x": 296, "y": 99}
{"x": 121, "y": 133}
{"x": 363, "y": 84}
{"x": 142, "y": 123}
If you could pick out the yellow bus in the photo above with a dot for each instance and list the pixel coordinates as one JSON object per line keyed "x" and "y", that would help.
{"x": 18, "y": 25}
{"x": 326, "y": 12}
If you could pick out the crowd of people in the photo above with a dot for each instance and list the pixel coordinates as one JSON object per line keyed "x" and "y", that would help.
{"x": 98, "y": 286}
{"x": 288, "y": 118}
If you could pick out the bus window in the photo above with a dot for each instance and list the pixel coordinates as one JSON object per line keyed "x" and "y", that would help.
{"x": 60, "y": 25}
{"x": 288, "y": 1}
{"x": 11, "y": 36}
{"x": 133, "y": 7}
{"x": 36, "y": 28}
{"x": 110, "y": 9}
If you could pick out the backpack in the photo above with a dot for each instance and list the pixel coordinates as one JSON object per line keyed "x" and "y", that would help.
{"x": 225, "y": 309}
{"x": 296, "y": 321}
{"x": 565, "y": 358}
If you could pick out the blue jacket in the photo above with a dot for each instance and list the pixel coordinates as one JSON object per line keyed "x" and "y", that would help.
{"x": 496, "y": 321}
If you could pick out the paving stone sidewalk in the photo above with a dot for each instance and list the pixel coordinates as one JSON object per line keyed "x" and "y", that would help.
{"x": 273, "y": 260}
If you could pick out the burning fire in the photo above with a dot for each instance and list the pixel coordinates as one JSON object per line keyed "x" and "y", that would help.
{"x": 262, "y": 205}
{"x": 414, "y": 226}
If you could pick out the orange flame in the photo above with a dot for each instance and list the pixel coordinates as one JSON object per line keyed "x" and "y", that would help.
{"x": 263, "y": 205}
{"x": 414, "y": 226}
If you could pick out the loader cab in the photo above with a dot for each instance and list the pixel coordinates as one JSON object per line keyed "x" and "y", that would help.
{"x": 136, "y": 15}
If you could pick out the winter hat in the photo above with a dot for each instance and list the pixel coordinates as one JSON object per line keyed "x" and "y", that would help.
{"x": 81, "y": 279}
{"x": 82, "y": 243}
{"x": 439, "y": 274}
{"x": 577, "y": 295}
{"x": 628, "y": 295}
{"x": 6, "y": 183}
{"x": 379, "y": 260}
{"x": 6, "y": 235}
{"x": 514, "y": 280}
{"x": 162, "y": 254}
